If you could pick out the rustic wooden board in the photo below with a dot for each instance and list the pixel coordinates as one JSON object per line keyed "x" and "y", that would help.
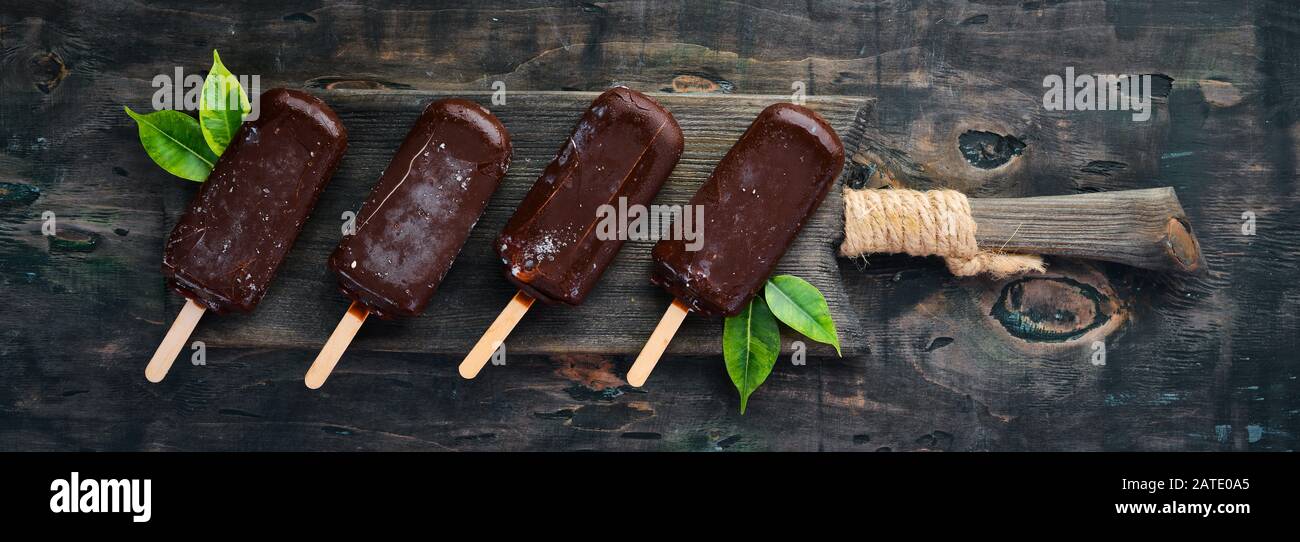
{"x": 303, "y": 305}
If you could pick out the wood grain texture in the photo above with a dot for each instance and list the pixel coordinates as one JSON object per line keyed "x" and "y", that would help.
{"x": 1201, "y": 362}
{"x": 303, "y": 302}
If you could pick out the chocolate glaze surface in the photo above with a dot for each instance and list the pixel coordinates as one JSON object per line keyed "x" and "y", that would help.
{"x": 418, "y": 216}
{"x": 624, "y": 146}
{"x": 755, "y": 202}
{"x": 227, "y": 245}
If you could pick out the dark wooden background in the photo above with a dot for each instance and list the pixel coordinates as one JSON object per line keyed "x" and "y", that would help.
{"x": 1202, "y": 362}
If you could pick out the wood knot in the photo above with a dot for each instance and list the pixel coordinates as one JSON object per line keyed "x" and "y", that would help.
{"x": 866, "y": 171}
{"x": 1219, "y": 93}
{"x": 588, "y": 369}
{"x": 16, "y": 194}
{"x": 1052, "y": 309}
{"x": 688, "y": 83}
{"x": 589, "y": 7}
{"x": 73, "y": 240}
{"x": 987, "y": 150}
{"x": 1181, "y": 244}
{"x": 46, "y": 70}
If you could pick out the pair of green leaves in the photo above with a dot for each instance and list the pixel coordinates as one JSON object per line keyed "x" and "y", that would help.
{"x": 751, "y": 340}
{"x": 189, "y": 148}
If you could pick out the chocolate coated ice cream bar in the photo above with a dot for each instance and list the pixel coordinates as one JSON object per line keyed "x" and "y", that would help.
{"x": 225, "y": 249}
{"x": 623, "y": 148}
{"x": 414, "y": 223}
{"x": 757, "y": 199}
{"x": 416, "y": 219}
{"x": 231, "y": 239}
{"x": 755, "y": 202}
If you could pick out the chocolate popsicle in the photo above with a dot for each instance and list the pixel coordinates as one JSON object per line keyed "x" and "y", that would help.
{"x": 755, "y": 202}
{"x": 228, "y": 244}
{"x": 417, "y": 218}
{"x": 624, "y": 146}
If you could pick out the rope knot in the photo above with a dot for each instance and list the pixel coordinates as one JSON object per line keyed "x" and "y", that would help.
{"x": 930, "y": 223}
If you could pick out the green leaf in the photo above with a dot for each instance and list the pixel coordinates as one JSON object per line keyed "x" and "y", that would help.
{"x": 801, "y": 306}
{"x": 751, "y": 341}
{"x": 222, "y": 106}
{"x": 175, "y": 142}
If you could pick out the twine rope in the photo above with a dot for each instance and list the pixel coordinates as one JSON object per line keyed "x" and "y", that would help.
{"x": 929, "y": 223}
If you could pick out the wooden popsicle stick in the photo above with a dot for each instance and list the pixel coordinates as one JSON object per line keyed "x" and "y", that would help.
{"x": 495, "y": 335}
{"x": 174, "y": 341}
{"x": 336, "y": 345}
{"x": 658, "y": 342}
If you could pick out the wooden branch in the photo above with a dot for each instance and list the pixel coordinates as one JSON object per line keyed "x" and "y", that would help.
{"x": 1142, "y": 228}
